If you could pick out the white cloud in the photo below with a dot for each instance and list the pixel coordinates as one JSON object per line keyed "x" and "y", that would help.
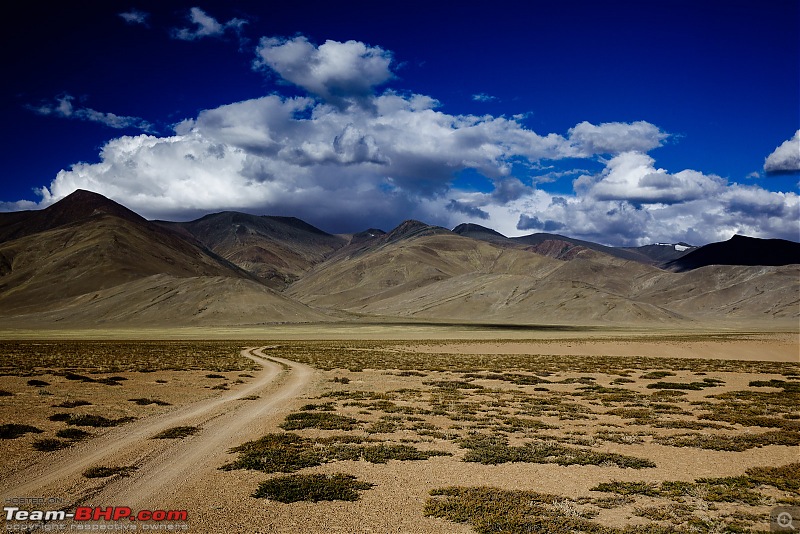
{"x": 631, "y": 176}
{"x": 62, "y": 107}
{"x": 339, "y": 73}
{"x": 205, "y": 26}
{"x": 483, "y": 97}
{"x": 615, "y": 137}
{"x": 346, "y": 167}
{"x": 785, "y": 158}
{"x": 134, "y": 16}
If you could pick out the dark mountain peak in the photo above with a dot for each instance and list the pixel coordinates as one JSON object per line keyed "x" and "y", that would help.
{"x": 412, "y": 228}
{"x": 73, "y": 208}
{"x": 370, "y": 232}
{"x": 296, "y": 223}
{"x": 472, "y": 229}
{"x": 82, "y": 204}
{"x": 367, "y": 235}
{"x": 740, "y": 250}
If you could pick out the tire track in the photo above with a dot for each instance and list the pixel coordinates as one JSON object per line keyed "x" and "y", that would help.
{"x": 223, "y": 421}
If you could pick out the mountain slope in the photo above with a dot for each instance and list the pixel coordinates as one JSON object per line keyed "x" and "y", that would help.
{"x": 411, "y": 256}
{"x": 438, "y": 275}
{"x": 277, "y": 250}
{"x": 740, "y": 250}
{"x": 86, "y": 244}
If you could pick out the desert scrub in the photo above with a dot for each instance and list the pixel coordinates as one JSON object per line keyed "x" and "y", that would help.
{"x": 73, "y": 404}
{"x": 656, "y": 375}
{"x": 785, "y": 478}
{"x": 493, "y": 510}
{"x": 314, "y": 488}
{"x": 737, "y": 443}
{"x": 321, "y": 421}
{"x": 273, "y": 453}
{"x": 74, "y": 434}
{"x": 147, "y": 402}
{"x": 50, "y": 444}
{"x": 492, "y": 450}
{"x": 382, "y": 453}
{"x": 396, "y": 356}
{"x": 741, "y": 489}
{"x": 38, "y": 383}
{"x": 13, "y": 430}
{"x": 95, "y": 420}
{"x": 289, "y": 452}
{"x": 757, "y": 408}
{"x": 177, "y": 432}
{"x": 23, "y": 358}
{"x": 104, "y": 472}
{"x": 690, "y": 386}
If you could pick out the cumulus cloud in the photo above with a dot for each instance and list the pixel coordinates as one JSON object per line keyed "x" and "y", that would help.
{"x": 785, "y": 158}
{"x": 346, "y": 157}
{"x": 339, "y": 73}
{"x": 134, "y": 16}
{"x": 615, "y": 137}
{"x": 63, "y": 107}
{"x": 632, "y": 176}
{"x": 205, "y": 26}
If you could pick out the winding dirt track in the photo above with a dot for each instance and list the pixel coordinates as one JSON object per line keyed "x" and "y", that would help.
{"x": 167, "y": 469}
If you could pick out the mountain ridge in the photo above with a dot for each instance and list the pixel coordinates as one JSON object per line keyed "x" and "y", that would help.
{"x": 87, "y": 260}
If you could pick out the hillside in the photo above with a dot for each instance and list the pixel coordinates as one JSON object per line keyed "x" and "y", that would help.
{"x": 74, "y": 252}
{"x": 740, "y": 250}
{"x": 277, "y": 250}
{"x": 87, "y": 261}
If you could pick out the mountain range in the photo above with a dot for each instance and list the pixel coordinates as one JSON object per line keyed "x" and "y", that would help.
{"x": 87, "y": 261}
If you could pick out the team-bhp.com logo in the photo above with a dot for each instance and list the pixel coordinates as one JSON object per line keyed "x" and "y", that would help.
{"x": 84, "y": 514}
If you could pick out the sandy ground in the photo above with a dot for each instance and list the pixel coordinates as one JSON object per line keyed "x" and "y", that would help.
{"x": 184, "y": 474}
{"x": 165, "y": 465}
{"x": 765, "y": 347}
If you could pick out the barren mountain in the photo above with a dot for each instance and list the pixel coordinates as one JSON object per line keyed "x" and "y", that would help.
{"x": 426, "y": 272}
{"x": 567, "y": 248}
{"x": 740, "y": 250}
{"x": 87, "y": 261}
{"x": 76, "y": 251}
{"x": 278, "y": 250}
{"x": 412, "y": 256}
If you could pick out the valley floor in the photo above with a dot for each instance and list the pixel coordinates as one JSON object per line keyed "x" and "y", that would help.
{"x": 428, "y": 428}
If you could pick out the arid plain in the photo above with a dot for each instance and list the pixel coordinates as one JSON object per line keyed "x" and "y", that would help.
{"x": 417, "y": 428}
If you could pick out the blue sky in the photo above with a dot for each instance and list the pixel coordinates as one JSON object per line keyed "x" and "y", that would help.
{"x": 621, "y": 122}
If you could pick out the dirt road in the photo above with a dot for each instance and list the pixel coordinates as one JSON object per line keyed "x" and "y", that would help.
{"x": 164, "y": 466}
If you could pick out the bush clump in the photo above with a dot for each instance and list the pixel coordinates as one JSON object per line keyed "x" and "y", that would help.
{"x": 314, "y": 488}
{"x": 104, "y": 472}
{"x": 177, "y": 432}
{"x": 13, "y": 430}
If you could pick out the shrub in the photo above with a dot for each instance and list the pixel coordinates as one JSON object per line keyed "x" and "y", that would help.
{"x": 73, "y": 434}
{"x": 177, "y": 432}
{"x": 50, "y": 444}
{"x": 95, "y": 420}
{"x": 103, "y": 472}
{"x": 322, "y": 421}
{"x": 314, "y": 488}
{"x": 72, "y": 404}
{"x": 13, "y": 430}
{"x": 147, "y": 402}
